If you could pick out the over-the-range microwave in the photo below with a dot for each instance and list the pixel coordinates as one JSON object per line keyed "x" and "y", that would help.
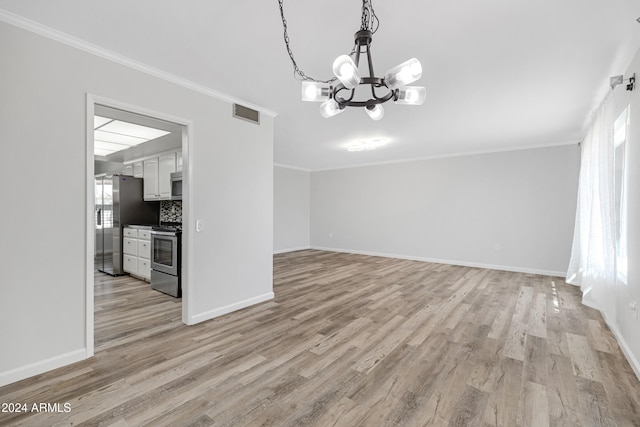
{"x": 176, "y": 186}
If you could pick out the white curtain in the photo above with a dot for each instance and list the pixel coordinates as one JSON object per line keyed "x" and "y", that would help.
{"x": 592, "y": 264}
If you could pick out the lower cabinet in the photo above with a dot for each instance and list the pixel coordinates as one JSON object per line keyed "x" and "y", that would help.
{"x": 144, "y": 254}
{"x": 130, "y": 264}
{"x": 136, "y": 248}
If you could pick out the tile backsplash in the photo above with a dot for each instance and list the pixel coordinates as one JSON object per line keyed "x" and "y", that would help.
{"x": 171, "y": 211}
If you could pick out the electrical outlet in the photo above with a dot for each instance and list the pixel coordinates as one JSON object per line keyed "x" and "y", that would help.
{"x": 497, "y": 247}
{"x": 633, "y": 306}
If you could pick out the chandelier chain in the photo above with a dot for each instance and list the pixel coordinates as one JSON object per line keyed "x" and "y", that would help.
{"x": 369, "y": 20}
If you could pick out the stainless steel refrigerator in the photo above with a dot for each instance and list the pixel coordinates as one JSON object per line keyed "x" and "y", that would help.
{"x": 119, "y": 202}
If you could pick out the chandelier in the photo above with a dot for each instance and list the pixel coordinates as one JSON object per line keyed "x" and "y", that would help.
{"x": 340, "y": 92}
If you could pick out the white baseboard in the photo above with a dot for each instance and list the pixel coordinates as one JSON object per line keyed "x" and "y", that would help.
{"x": 635, "y": 364}
{"x": 229, "y": 308}
{"x": 449, "y": 262}
{"x": 631, "y": 358}
{"x": 283, "y": 251}
{"x": 42, "y": 366}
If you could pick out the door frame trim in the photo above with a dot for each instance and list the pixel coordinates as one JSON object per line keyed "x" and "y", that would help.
{"x": 187, "y": 207}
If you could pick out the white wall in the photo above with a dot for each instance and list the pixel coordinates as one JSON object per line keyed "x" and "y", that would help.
{"x": 43, "y": 93}
{"x": 291, "y": 214}
{"x": 454, "y": 210}
{"x": 626, "y": 325}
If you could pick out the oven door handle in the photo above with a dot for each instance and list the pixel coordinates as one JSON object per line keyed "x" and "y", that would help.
{"x": 163, "y": 233}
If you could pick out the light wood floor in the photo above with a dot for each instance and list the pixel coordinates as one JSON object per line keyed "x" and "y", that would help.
{"x": 349, "y": 340}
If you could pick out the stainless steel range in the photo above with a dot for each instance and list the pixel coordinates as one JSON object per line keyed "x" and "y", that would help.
{"x": 166, "y": 258}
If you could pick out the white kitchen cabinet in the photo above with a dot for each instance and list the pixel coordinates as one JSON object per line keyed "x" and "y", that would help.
{"x": 128, "y": 170}
{"x": 167, "y": 165}
{"x": 144, "y": 249}
{"x": 179, "y": 161}
{"x": 138, "y": 169}
{"x": 157, "y": 176}
{"x": 130, "y": 264}
{"x": 130, "y": 246}
{"x": 136, "y": 248}
{"x": 130, "y": 250}
{"x": 130, "y": 232}
{"x": 150, "y": 176}
{"x": 144, "y": 268}
{"x": 144, "y": 254}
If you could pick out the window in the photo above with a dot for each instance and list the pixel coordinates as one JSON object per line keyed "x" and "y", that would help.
{"x": 620, "y": 129}
{"x": 104, "y": 204}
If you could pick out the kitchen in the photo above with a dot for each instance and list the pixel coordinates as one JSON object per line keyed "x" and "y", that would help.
{"x": 138, "y": 203}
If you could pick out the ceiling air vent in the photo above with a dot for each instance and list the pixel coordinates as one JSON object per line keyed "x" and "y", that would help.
{"x": 245, "y": 113}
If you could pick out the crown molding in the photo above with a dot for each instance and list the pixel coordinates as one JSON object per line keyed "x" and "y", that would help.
{"x": 69, "y": 40}
{"x": 297, "y": 168}
{"x": 446, "y": 156}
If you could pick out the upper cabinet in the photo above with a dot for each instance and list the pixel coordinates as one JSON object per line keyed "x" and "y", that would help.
{"x": 157, "y": 175}
{"x": 134, "y": 169}
{"x": 167, "y": 166}
{"x": 138, "y": 169}
{"x": 150, "y": 176}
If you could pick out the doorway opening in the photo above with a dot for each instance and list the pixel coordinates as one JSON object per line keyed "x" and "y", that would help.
{"x": 132, "y": 156}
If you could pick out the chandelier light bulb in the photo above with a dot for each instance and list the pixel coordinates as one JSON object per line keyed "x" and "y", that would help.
{"x": 330, "y": 108}
{"x": 411, "y": 95}
{"x": 346, "y": 71}
{"x": 403, "y": 74}
{"x": 315, "y": 92}
{"x": 376, "y": 112}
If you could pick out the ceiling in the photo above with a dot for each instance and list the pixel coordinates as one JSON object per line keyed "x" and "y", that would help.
{"x": 112, "y": 136}
{"x": 500, "y": 74}
{"x": 125, "y": 127}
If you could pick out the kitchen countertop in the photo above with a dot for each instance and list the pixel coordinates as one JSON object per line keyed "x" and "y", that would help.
{"x": 139, "y": 226}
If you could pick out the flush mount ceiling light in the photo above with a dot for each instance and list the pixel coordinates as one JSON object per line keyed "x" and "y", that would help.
{"x": 340, "y": 92}
{"x": 366, "y": 145}
{"x": 111, "y": 136}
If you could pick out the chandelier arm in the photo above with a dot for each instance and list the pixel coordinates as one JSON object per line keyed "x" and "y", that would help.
{"x": 373, "y": 82}
{"x": 340, "y": 100}
{"x": 369, "y": 60}
{"x": 356, "y": 60}
{"x": 391, "y": 95}
{"x": 376, "y": 82}
{"x": 367, "y": 103}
